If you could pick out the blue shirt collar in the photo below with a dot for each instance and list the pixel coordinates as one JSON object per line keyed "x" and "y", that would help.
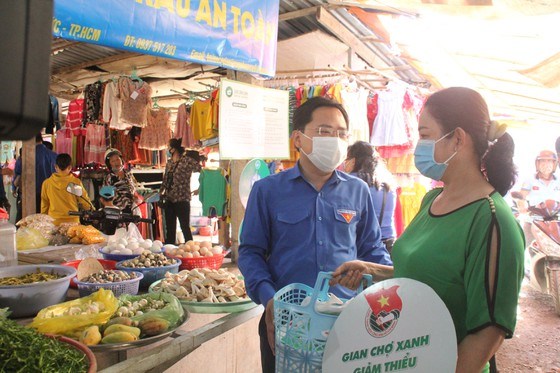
{"x": 295, "y": 172}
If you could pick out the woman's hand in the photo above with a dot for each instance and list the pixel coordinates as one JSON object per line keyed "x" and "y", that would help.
{"x": 349, "y": 274}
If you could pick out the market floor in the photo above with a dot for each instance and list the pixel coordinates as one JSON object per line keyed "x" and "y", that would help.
{"x": 535, "y": 346}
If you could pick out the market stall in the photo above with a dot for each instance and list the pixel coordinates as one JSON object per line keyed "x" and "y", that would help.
{"x": 184, "y": 348}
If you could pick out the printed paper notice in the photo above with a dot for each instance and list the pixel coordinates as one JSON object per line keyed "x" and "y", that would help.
{"x": 253, "y": 122}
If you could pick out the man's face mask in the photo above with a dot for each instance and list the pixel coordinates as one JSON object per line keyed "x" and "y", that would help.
{"x": 425, "y": 161}
{"x": 328, "y": 152}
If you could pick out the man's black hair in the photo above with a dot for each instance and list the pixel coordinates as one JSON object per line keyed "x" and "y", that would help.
{"x": 48, "y": 145}
{"x": 304, "y": 113}
{"x": 63, "y": 161}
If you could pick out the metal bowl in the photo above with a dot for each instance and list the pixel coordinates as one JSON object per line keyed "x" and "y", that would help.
{"x": 27, "y": 300}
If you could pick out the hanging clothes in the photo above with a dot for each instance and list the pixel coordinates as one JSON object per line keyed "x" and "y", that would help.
{"x": 94, "y": 144}
{"x": 355, "y": 104}
{"x": 124, "y": 143}
{"x": 389, "y": 127}
{"x": 201, "y": 120}
{"x": 183, "y": 129}
{"x": 156, "y": 135}
{"x": 215, "y": 102}
{"x": 63, "y": 141}
{"x": 92, "y": 96}
{"x": 112, "y": 107}
{"x": 78, "y": 147}
{"x": 53, "y": 124}
{"x": 135, "y": 97}
{"x": 212, "y": 191}
{"x": 75, "y": 115}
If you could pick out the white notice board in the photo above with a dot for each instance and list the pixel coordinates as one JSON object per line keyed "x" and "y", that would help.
{"x": 253, "y": 122}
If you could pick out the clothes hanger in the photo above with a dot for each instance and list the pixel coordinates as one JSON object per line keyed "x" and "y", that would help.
{"x": 155, "y": 103}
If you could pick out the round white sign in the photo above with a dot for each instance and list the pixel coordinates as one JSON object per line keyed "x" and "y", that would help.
{"x": 394, "y": 325}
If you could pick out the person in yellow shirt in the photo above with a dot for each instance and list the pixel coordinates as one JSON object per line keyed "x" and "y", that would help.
{"x": 55, "y": 200}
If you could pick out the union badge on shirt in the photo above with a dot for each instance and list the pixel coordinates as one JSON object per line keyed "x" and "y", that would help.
{"x": 348, "y": 215}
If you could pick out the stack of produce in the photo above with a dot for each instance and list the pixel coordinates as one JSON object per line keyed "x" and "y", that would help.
{"x": 122, "y": 243}
{"x": 84, "y": 234}
{"x": 102, "y": 318}
{"x": 148, "y": 260}
{"x": 204, "y": 285}
{"x": 195, "y": 249}
{"x": 60, "y": 234}
{"x": 42, "y": 223}
{"x": 107, "y": 276}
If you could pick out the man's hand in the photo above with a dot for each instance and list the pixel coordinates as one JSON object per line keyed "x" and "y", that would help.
{"x": 269, "y": 319}
{"x": 349, "y": 274}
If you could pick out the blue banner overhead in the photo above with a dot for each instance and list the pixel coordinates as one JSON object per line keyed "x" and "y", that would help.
{"x": 237, "y": 34}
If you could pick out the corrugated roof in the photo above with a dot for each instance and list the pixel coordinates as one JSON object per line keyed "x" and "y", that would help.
{"x": 70, "y": 53}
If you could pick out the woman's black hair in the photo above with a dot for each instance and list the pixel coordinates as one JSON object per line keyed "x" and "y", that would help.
{"x": 304, "y": 113}
{"x": 366, "y": 162}
{"x": 176, "y": 144}
{"x": 463, "y": 107}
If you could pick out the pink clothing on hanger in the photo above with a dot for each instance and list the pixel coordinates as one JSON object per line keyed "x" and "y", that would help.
{"x": 63, "y": 142}
{"x": 156, "y": 135}
{"x": 95, "y": 146}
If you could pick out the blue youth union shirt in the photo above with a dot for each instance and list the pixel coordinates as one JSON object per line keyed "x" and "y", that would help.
{"x": 291, "y": 231}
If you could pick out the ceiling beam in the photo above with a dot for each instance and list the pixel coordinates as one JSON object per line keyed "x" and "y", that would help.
{"x": 100, "y": 61}
{"x": 298, "y": 13}
{"x": 328, "y": 21}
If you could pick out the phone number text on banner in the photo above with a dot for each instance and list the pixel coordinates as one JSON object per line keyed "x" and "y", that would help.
{"x": 237, "y": 34}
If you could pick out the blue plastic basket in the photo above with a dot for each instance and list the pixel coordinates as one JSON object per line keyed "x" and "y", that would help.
{"x": 118, "y": 288}
{"x": 301, "y": 332}
{"x": 151, "y": 274}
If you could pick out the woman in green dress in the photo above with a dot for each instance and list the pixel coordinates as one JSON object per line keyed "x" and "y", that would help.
{"x": 464, "y": 242}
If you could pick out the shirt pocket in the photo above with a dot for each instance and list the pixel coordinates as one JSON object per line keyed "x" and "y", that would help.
{"x": 292, "y": 217}
{"x": 345, "y": 223}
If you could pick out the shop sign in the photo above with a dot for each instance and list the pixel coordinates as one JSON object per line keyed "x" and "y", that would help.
{"x": 394, "y": 325}
{"x": 253, "y": 121}
{"x": 237, "y": 34}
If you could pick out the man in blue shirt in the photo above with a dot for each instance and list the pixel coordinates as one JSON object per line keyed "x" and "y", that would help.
{"x": 307, "y": 219}
{"x": 45, "y": 160}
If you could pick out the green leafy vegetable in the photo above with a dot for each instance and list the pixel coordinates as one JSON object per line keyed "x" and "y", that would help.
{"x": 26, "y": 350}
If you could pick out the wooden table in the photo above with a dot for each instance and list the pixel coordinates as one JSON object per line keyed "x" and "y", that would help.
{"x": 188, "y": 349}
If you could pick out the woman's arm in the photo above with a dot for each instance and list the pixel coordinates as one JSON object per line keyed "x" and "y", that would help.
{"x": 350, "y": 273}
{"x": 477, "y": 348}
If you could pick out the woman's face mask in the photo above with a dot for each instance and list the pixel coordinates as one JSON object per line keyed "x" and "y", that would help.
{"x": 425, "y": 161}
{"x": 328, "y": 152}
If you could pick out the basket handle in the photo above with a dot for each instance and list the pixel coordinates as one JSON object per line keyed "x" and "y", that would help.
{"x": 322, "y": 285}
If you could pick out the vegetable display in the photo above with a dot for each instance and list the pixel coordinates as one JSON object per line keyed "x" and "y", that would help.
{"x": 29, "y": 278}
{"x": 25, "y": 350}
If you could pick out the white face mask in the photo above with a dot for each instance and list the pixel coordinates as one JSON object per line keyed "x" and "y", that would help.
{"x": 328, "y": 152}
